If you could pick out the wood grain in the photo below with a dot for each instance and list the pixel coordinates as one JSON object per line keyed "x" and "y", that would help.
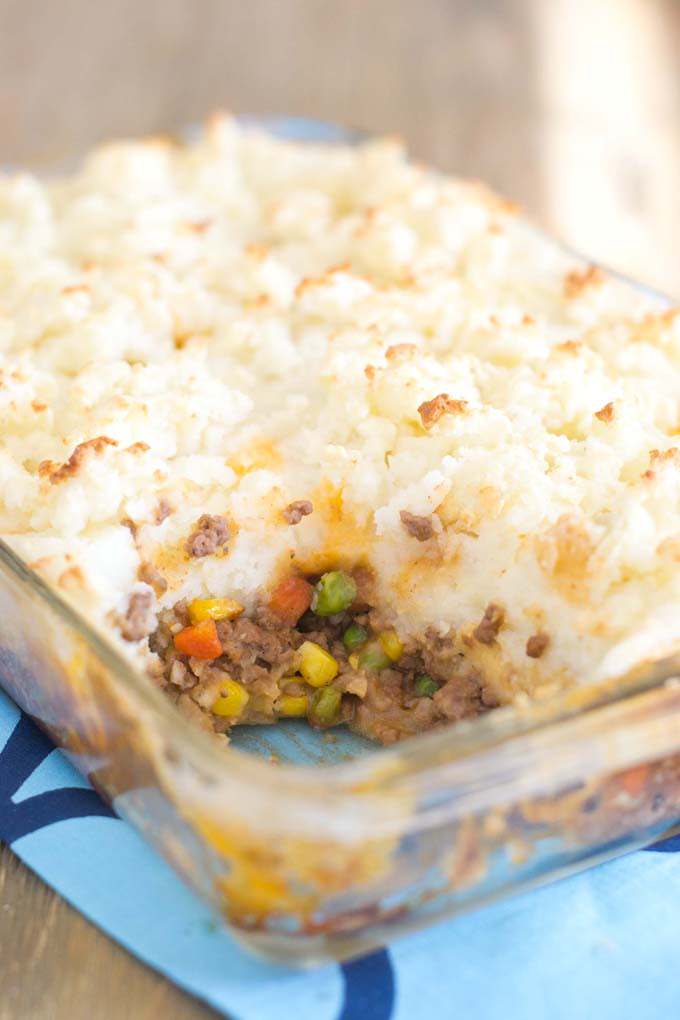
{"x": 54, "y": 964}
{"x": 571, "y": 107}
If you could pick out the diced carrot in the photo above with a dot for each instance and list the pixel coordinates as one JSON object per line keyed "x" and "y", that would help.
{"x": 200, "y": 641}
{"x": 290, "y": 599}
{"x": 633, "y": 780}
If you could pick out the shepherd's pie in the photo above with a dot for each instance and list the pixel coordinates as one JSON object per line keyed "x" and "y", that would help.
{"x": 314, "y": 431}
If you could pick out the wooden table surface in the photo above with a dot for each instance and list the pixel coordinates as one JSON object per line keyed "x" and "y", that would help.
{"x": 571, "y": 107}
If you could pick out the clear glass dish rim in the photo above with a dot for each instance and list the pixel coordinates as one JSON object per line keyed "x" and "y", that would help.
{"x": 437, "y": 752}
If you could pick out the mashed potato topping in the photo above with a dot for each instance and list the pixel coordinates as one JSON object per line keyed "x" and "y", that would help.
{"x": 247, "y": 327}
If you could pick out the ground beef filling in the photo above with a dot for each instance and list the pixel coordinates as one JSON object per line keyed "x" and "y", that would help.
{"x": 138, "y": 621}
{"x": 210, "y": 534}
{"x": 258, "y": 671}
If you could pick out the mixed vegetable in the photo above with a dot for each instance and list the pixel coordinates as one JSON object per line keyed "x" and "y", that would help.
{"x": 310, "y": 691}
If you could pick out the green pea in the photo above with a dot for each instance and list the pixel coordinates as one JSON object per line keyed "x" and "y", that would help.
{"x": 425, "y": 686}
{"x": 334, "y": 593}
{"x": 373, "y": 657}
{"x": 354, "y": 637}
{"x": 325, "y": 706}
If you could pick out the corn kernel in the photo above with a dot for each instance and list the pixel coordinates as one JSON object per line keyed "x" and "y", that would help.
{"x": 391, "y": 644}
{"x": 317, "y": 666}
{"x": 214, "y": 609}
{"x": 292, "y": 706}
{"x": 232, "y": 699}
{"x": 353, "y": 660}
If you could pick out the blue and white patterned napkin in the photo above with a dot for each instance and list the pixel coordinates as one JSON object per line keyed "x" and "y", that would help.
{"x": 603, "y": 944}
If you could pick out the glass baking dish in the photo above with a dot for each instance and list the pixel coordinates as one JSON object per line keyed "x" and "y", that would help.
{"x": 338, "y": 846}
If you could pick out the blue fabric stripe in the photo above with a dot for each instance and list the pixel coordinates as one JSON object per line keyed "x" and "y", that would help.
{"x": 369, "y": 988}
{"x": 17, "y": 820}
{"x": 26, "y": 748}
{"x": 666, "y": 846}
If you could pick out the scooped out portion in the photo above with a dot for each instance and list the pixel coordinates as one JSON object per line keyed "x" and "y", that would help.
{"x": 317, "y": 651}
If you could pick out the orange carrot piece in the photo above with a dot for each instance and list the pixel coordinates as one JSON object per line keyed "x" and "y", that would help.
{"x": 290, "y": 599}
{"x": 200, "y": 641}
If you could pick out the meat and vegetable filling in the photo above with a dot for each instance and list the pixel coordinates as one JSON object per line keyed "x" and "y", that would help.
{"x": 314, "y": 649}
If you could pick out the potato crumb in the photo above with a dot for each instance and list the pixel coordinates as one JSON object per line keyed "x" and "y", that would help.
{"x": 606, "y": 413}
{"x": 431, "y": 411}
